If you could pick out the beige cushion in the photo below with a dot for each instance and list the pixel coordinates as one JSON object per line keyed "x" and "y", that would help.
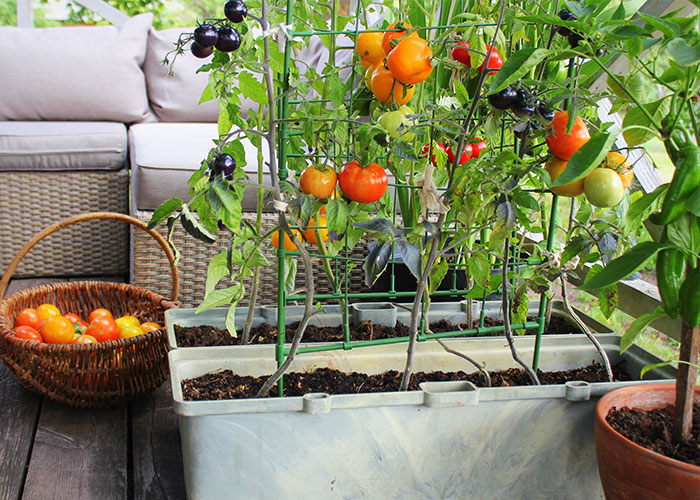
{"x": 174, "y": 95}
{"x": 52, "y": 146}
{"x": 164, "y": 156}
{"x": 74, "y": 73}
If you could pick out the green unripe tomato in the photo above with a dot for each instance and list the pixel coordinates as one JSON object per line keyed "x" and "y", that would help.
{"x": 603, "y": 188}
{"x": 391, "y": 121}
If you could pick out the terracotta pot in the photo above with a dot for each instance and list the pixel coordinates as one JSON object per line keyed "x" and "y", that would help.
{"x": 629, "y": 471}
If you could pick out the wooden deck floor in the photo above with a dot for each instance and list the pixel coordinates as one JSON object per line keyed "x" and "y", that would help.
{"x": 50, "y": 451}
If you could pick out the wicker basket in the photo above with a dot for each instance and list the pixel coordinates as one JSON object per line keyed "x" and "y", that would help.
{"x": 89, "y": 375}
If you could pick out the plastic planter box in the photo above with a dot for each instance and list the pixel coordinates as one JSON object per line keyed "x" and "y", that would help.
{"x": 449, "y": 440}
{"x": 454, "y": 312}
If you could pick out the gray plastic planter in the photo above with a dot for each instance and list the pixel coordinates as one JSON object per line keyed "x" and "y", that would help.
{"x": 455, "y": 312}
{"x": 448, "y": 440}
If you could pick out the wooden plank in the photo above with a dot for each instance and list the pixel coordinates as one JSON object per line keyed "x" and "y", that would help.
{"x": 78, "y": 453}
{"x": 157, "y": 455}
{"x": 19, "y": 410}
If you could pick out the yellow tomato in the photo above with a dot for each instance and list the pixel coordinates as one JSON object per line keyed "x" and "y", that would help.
{"x": 130, "y": 331}
{"x": 150, "y": 326}
{"x": 45, "y": 311}
{"x": 125, "y": 321}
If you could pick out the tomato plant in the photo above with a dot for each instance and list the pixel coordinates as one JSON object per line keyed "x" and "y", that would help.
{"x": 363, "y": 184}
{"x": 103, "y": 329}
{"x": 603, "y": 188}
{"x": 57, "y": 330}
{"x": 318, "y": 181}
{"x": 410, "y": 61}
{"x": 387, "y": 89}
{"x": 560, "y": 143}
{"x": 495, "y": 61}
{"x": 555, "y": 166}
{"x": 28, "y": 317}
{"x": 28, "y": 333}
{"x": 460, "y": 53}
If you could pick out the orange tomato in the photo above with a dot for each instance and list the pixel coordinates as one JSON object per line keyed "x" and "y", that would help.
{"x": 564, "y": 145}
{"x": 27, "y": 332}
{"x": 288, "y": 243}
{"x": 410, "y": 60}
{"x": 28, "y": 317}
{"x": 310, "y": 234}
{"x": 100, "y": 311}
{"x": 369, "y": 47}
{"x": 125, "y": 321}
{"x": 58, "y": 330}
{"x": 387, "y": 89}
{"x": 318, "y": 181}
{"x": 85, "y": 339}
{"x": 389, "y": 35}
{"x": 150, "y": 326}
{"x": 45, "y": 311}
{"x": 555, "y": 166}
{"x": 130, "y": 331}
{"x": 619, "y": 163}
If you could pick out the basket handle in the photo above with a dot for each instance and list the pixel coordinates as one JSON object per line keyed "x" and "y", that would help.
{"x": 86, "y": 217}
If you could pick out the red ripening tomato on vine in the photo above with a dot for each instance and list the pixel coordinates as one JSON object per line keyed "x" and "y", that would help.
{"x": 564, "y": 145}
{"x": 389, "y": 37}
{"x": 460, "y": 53}
{"x": 363, "y": 184}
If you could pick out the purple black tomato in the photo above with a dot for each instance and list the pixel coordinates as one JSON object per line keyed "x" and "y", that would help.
{"x": 565, "y": 15}
{"x": 235, "y": 10}
{"x": 206, "y": 35}
{"x": 543, "y": 111}
{"x": 223, "y": 164}
{"x": 229, "y": 39}
{"x": 504, "y": 99}
{"x": 199, "y": 51}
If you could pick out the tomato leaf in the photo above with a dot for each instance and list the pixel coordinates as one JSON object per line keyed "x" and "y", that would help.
{"x": 437, "y": 274}
{"x": 376, "y": 262}
{"x": 685, "y": 234}
{"x": 290, "y": 274}
{"x": 195, "y": 228}
{"x": 218, "y": 268}
{"x": 381, "y": 226}
{"x": 587, "y": 158}
{"x": 231, "y": 319}
{"x": 684, "y": 53}
{"x": 635, "y": 329}
{"x": 220, "y": 297}
{"x": 637, "y": 129}
{"x": 337, "y": 215}
{"x": 165, "y": 210}
{"x": 480, "y": 268}
{"x": 621, "y": 267}
{"x": 518, "y": 64}
{"x": 410, "y": 255}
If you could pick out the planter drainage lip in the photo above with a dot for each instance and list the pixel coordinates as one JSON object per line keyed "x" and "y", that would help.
{"x": 380, "y": 312}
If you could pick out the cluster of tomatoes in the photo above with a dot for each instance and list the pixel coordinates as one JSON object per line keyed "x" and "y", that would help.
{"x": 471, "y": 150}
{"x": 207, "y": 37}
{"x": 605, "y": 186}
{"x": 395, "y": 60}
{"x": 47, "y": 324}
{"x": 460, "y": 53}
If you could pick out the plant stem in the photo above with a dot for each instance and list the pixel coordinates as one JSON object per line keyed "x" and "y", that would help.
{"x": 479, "y": 366}
{"x": 685, "y": 383}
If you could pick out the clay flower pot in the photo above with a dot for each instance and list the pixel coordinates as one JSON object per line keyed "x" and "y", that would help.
{"x": 629, "y": 471}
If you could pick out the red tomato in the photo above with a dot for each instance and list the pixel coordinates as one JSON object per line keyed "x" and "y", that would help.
{"x": 466, "y": 154}
{"x": 460, "y": 53}
{"x": 478, "y": 145}
{"x": 103, "y": 329}
{"x": 564, "y": 145}
{"x": 495, "y": 61}
{"x": 27, "y": 332}
{"x": 100, "y": 311}
{"x": 28, "y": 317}
{"x": 436, "y": 145}
{"x": 318, "y": 181}
{"x": 363, "y": 184}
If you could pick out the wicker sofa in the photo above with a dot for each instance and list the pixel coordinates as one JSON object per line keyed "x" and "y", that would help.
{"x": 91, "y": 120}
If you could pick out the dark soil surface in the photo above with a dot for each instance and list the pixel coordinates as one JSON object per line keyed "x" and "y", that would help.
{"x": 652, "y": 430}
{"x": 198, "y": 336}
{"x": 227, "y": 385}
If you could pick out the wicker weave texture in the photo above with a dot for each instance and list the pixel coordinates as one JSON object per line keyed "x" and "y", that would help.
{"x": 89, "y": 375}
{"x": 150, "y": 268}
{"x": 33, "y": 200}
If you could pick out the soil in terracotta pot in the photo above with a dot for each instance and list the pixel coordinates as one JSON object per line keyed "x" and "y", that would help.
{"x": 653, "y": 429}
{"x": 206, "y": 335}
{"x": 227, "y": 385}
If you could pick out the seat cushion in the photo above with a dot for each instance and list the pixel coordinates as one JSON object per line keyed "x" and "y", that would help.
{"x": 89, "y": 73}
{"x": 164, "y": 155}
{"x": 56, "y": 146}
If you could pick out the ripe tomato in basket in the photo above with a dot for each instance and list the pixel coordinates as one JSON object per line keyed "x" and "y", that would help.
{"x": 103, "y": 329}
{"x": 100, "y": 311}
{"x": 28, "y": 317}
{"x": 45, "y": 311}
{"x": 29, "y": 333}
{"x": 150, "y": 326}
{"x": 57, "y": 330}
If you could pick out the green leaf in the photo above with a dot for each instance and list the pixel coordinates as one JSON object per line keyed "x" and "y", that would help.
{"x": 437, "y": 274}
{"x": 668, "y": 28}
{"x": 165, "y": 210}
{"x": 252, "y": 88}
{"x": 376, "y": 262}
{"x": 216, "y": 270}
{"x": 224, "y": 121}
{"x": 637, "y": 128}
{"x": 621, "y": 267}
{"x": 220, "y": 297}
{"x": 195, "y": 228}
{"x": 231, "y": 320}
{"x": 516, "y": 66}
{"x": 643, "y": 207}
{"x": 290, "y": 274}
{"x": 587, "y": 158}
{"x": 480, "y": 268}
{"x": 630, "y": 32}
{"x": 692, "y": 203}
{"x": 525, "y": 199}
{"x": 685, "y": 234}
{"x": 461, "y": 92}
{"x": 207, "y": 94}
{"x": 684, "y": 53}
{"x": 637, "y": 326}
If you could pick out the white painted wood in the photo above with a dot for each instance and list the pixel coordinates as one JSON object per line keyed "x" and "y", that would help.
{"x": 25, "y": 13}
{"x": 114, "y": 16}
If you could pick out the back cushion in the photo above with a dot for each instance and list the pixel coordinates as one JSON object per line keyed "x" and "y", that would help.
{"x": 174, "y": 92}
{"x": 75, "y": 73}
